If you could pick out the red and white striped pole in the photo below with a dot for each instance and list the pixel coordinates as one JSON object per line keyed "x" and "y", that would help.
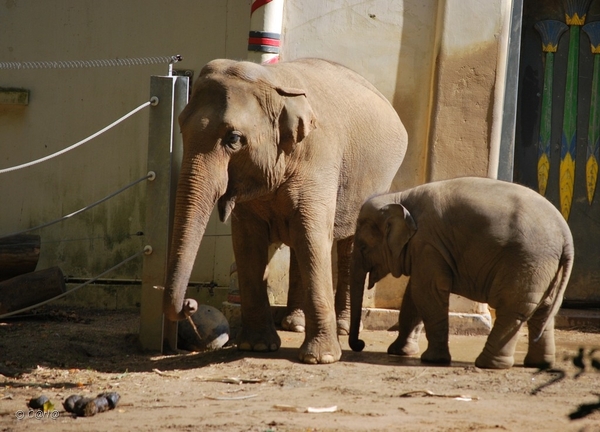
{"x": 266, "y": 19}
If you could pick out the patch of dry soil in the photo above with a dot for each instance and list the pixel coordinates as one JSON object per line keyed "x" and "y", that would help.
{"x": 85, "y": 352}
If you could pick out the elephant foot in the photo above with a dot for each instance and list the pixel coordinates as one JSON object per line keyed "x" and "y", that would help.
{"x": 343, "y": 327}
{"x": 540, "y": 361}
{"x": 262, "y": 341}
{"x": 403, "y": 348}
{"x": 320, "y": 350}
{"x": 294, "y": 321}
{"x": 436, "y": 356}
{"x": 488, "y": 361}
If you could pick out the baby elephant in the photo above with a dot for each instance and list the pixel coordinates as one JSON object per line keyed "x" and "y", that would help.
{"x": 487, "y": 240}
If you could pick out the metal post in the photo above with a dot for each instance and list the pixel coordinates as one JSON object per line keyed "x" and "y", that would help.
{"x": 169, "y": 95}
{"x": 506, "y": 160}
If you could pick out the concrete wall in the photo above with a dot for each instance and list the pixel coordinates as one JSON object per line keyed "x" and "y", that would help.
{"x": 67, "y": 105}
{"x": 440, "y": 62}
{"x": 441, "y": 65}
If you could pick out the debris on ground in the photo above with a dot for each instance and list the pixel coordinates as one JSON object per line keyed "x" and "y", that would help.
{"x": 87, "y": 407}
{"x": 298, "y": 409}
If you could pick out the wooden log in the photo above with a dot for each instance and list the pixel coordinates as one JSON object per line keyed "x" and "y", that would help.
{"x": 19, "y": 254}
{"x": 30, "y": 289}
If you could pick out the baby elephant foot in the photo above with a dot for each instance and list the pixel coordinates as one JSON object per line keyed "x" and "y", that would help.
{"x": 436, "y": 356}
{"x": 489, "y": 361}
{"x": 320, "y": 350}
{"x": 403, "y": 348}
{"x": 539, "y": 360}
{"x": 294, "y": 321}
{"x": 262, "y": 341}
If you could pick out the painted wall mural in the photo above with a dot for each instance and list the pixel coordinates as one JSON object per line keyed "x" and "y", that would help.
{"x": 557, "y": 136}
{"x": 551, "y": 32}
{"x": 593, "y": 144}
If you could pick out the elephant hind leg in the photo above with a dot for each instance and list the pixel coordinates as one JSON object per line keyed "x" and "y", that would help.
{"x": 342, "y": 291}
{"x": 540, "y": 353}
{"x": 499, "y": 349}
{"x": 294, "y": 319}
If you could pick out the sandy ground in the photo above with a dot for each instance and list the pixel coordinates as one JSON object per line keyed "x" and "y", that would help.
{"x": 59, "y": 353}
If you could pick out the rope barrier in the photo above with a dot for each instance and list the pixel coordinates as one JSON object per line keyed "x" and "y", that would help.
{"x": 71, "y": 64}
{"x": 151, "y": 176}
{"x": 147, "y": 250}
{"x": 100, "y": 132}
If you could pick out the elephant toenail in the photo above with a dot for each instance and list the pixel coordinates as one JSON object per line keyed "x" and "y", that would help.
{"x": 245, "y": 346}
{"x": 326, "y": 359}
{"x": 260, "y": 347}
{"x": 309, "y": 358}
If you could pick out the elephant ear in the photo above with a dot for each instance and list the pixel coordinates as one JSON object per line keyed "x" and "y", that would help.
{"x": 399, "y": 228}
{"x": 296, "y": 119}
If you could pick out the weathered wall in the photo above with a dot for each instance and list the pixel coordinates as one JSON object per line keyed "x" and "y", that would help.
{"x": 389, "y": 43}
{"x": 464, "y": 86}
{"x": 435, "y": 60}
{"x": 67, "y": 105}
{"x": 468, "y": 80}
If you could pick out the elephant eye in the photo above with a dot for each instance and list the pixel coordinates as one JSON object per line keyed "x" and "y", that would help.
{"x": 233, "y": 140}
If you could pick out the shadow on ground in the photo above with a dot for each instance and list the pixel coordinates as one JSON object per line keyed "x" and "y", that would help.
{"x": 107, "y": 341}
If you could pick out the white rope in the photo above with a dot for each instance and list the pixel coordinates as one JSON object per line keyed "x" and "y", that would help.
{"x": 146, "y": 250}
{"x": 69, "y": 64}
{"x": 100, "y": 132}
{"x": 151, "y": 175}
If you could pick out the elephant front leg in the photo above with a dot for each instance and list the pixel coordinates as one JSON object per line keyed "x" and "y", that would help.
{"x": 321, "y": 344}
{"x": 410, "y": 327}
{"x": 294, "y": 319}
{"x": 250, "y": 246}
{"x": 430, "y": 289}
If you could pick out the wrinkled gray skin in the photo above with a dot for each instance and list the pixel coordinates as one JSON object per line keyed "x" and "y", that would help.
{"x": 291, "y": 151}
{"x": 487, "y": 240}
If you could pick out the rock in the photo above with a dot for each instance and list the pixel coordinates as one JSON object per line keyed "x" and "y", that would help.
{"x": 38, "y": 402}
{"x": 212, "y": 326}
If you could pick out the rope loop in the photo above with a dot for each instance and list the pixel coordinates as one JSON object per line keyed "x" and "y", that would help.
{"x": 74, "y": 146}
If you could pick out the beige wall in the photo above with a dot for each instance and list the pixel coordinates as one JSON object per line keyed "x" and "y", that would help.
{"x": 439, "y": 62}
{"x": 390, "y": 43}
{"x": 67, "y": 105}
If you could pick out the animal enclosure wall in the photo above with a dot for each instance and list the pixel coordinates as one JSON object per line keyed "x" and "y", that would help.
{"x": 67, "y": 105}
{"x": 438, "y": 62}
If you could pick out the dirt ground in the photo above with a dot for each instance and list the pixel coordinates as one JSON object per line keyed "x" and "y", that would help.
{"x": 59, "y": 353}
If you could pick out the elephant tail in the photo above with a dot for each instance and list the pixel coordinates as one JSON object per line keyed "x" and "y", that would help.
{"x": 557, "y": 287}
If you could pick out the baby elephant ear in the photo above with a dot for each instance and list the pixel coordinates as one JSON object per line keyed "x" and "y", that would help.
{"x": 297, "y": 118}
{"x": 399, "y": 228}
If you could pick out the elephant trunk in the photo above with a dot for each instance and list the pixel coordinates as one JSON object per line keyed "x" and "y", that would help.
{"x": 200, "y": 185}
{"x": 357, "y": 288}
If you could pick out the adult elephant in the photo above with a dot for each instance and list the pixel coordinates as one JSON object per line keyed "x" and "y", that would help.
{"x": 291, "y": 151}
